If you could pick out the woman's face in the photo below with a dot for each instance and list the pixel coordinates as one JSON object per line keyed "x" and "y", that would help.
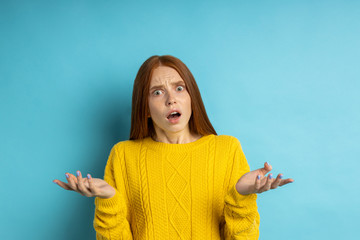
{"x": 169, "y": 101}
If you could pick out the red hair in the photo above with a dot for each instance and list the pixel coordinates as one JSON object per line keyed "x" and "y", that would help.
{"x": 141, "y": 125}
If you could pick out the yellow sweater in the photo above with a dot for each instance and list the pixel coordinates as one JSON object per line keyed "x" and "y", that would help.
{"x": 177, "y": 191}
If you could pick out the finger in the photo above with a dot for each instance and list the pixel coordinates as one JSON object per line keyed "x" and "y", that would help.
{"x": 92, "y": 187}
{"x": 262, "y": 182}
{"x": 257, "y": 183}
{"x": 82, "y": 189}
{"x": 62, "y": 184}
{"x": 277, "y": 181}
{"x": 286, "y": 181}
{"x": 72, "y": 181}
{"x": 267, "y": 168}
{"x": 268, "y": 183}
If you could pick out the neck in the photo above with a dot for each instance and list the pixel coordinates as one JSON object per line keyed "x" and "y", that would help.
{"x": 176, "y": 137}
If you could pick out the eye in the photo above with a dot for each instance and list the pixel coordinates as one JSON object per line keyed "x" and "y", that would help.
{"x": 179, "y": 88}
{"x": 157, "y": 92}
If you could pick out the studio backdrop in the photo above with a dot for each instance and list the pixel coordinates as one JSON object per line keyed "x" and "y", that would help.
{"x": 281, "y": 76}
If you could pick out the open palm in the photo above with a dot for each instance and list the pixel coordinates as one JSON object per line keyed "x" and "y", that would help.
{"x": 256, "y": 181}
{"x": 90, "y": 187}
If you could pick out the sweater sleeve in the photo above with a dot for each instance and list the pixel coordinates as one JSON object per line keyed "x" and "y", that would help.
{"x": 240, "y": 211}
{"x": 112, "y": 215}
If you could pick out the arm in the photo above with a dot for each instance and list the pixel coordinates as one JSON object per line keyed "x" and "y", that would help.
{"x": 240, "y": 211}
{"x": 111, "y": 212}
{"x": 241, "y": 216}
{"x": 112, "y": 215}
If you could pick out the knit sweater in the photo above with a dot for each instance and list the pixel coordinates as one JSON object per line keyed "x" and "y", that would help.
{"x": 177, "y": 191}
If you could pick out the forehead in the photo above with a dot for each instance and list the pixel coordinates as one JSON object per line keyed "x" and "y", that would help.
{"x": 164, "y": 75}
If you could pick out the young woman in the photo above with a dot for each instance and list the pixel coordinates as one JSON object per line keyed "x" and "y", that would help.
{"x": 175, "y": 178}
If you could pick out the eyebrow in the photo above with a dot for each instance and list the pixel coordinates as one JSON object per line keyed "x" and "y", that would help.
{"x": 174, "y": 84}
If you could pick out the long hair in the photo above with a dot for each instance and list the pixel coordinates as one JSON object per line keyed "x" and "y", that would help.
{"x": 141, "y": 125}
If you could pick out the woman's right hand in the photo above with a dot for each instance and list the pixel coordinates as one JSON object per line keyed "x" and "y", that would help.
{"x": 89, "y": 187}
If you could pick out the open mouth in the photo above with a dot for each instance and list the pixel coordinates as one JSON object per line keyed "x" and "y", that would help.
{"x": 174, "y": 115}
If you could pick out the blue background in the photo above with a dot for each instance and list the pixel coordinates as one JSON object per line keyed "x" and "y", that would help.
{"x": 281, "y": 76}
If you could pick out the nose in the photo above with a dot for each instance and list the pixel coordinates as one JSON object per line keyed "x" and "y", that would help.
{"x": 170, "y": 100}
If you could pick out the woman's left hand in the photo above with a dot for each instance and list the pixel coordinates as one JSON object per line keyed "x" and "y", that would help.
{"x": 256, "y": 181}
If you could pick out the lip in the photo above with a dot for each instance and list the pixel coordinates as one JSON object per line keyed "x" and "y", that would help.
{"x": 172, "y": 120}
{"x": 173, "y": 110}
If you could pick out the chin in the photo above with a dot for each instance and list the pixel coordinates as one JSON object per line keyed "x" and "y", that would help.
{"x": 176, "y": 129}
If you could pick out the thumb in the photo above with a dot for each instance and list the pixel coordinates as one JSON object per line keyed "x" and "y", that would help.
{"x": 267, "y": 168}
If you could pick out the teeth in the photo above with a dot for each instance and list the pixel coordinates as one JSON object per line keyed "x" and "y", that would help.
{"x": 173, "y": 113}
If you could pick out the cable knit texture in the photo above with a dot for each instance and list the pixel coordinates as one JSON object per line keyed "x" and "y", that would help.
{"x": 177, "y": 191}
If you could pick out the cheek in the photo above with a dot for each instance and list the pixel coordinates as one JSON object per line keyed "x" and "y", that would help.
{"x": 151, "y": 111}
{"x": 153, "y": 107}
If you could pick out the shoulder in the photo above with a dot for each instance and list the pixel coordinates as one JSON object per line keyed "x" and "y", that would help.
{"x": 127, "y": 145}
{"x": 227, "y": 144}
{"x": 227, "y": 140}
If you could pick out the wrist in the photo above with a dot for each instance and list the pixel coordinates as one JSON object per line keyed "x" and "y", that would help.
{"x": 111, "y": 193}
{"x": 242, "y": 189}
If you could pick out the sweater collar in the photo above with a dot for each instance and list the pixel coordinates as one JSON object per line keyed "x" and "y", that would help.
{"x": 149, "y": 142}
